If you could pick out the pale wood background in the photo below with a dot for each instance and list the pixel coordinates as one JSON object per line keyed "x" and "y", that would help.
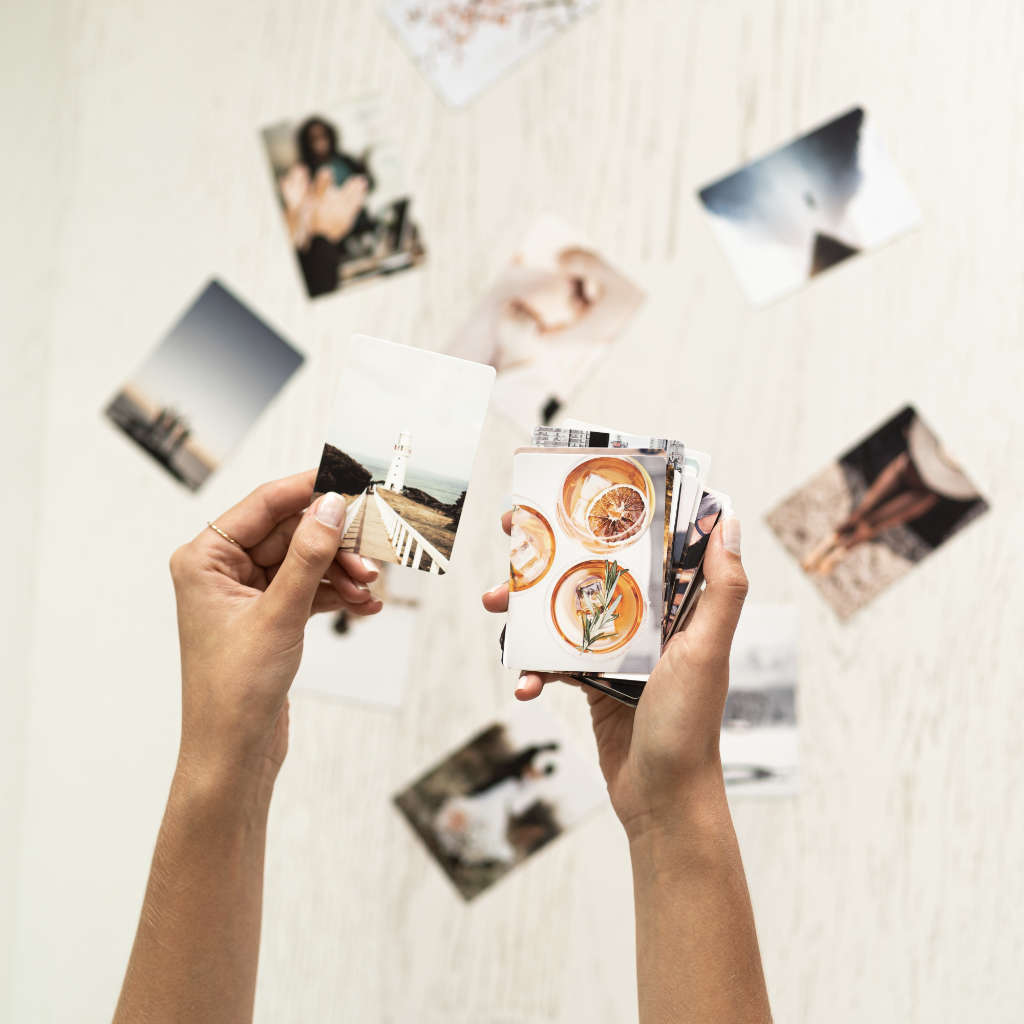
{"x": 890, "y": 890}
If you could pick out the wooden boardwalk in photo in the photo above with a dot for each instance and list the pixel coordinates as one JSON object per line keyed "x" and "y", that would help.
{"x": 368, "y": 535}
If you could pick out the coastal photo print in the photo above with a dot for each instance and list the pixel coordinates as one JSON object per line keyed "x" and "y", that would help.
{"x": 196, "y": 395}
{"x": 874, "y": 513}
{"x": 759, "y": 742}
{"x": 547, "y": 320}
{"x": 400, "y": 447}
{"x": 807, "y": 206}
{"x": 343, "y": 197}
{"x": 462, "y": 46}
{"x": 495, "y": 801}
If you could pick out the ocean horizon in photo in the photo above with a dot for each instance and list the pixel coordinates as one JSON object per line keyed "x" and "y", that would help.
{"x": 446, "y": 489}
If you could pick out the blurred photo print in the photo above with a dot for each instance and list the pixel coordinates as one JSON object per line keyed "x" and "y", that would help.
{"x": 192, "y": 400}
{"x": 499, "y": 798}
{"x": 547, "y": 320}
{"x": 462, "y": 46}
{"x": 345, "y": 204}
{"x": 759, "y": 744}
{"x": 807, "y": 206}
{"x": 341, "y": 652}
{"x": 875, "y": 512}
{"x": 400, "y": 447}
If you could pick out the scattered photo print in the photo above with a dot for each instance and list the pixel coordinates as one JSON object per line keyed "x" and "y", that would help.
{"x": 463, "y": 46}
{"x": 499, "y": 798}
{"x": 863, "y": 522}
{"x": 195, "y": 396}
{"x": 807, "y": 206}
{"x": 546, "y": 321}
{"x": 402, "y": 439}
{"x": 759, "y": 745}
{"x": 341, "y": 654}
{"x": 587, "y": 560}
{"x": 345, "y": 204}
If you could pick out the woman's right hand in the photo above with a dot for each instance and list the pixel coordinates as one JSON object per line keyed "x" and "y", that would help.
{"x": 661, "y": 761}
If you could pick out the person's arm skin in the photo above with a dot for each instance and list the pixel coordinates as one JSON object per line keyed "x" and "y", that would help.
{"x": 697, "y": 953}
{"x": 242, "y": 611}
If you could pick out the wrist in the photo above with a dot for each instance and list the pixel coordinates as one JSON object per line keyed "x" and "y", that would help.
{"x": 689, "y": 828}
{"x": 225, "y": 791}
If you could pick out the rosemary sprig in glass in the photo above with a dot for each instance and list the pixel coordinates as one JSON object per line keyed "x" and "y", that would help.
{"x": 601, "y": 615}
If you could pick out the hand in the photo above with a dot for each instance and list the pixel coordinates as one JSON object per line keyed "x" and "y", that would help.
{"x": 242, "y": 611}
{"x": 662, "y": 759}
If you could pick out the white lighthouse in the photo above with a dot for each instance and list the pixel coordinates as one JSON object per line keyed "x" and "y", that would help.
{"x": 395, "y": 480}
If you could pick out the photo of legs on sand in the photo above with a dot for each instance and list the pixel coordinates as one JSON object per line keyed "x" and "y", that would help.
{"x": 876, "y": 512}
{"x": 401, "y": 450}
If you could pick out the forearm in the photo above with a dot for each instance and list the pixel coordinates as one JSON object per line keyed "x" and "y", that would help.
{"x": 197, "y": 945}
{"x": 696, "y": 945}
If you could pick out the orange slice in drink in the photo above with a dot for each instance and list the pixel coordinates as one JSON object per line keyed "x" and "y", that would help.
{"x": 616, "y": 513}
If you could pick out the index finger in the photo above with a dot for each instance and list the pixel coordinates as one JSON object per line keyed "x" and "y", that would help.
{"x": 506, "y": 522}
{"x": 255, "y": 516}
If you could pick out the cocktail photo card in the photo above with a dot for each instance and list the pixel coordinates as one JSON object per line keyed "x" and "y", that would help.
{"x": 400, "y": 447}
{"x": 587, "y": 560}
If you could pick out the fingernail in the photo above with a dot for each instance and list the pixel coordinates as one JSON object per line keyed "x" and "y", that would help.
{"x": 494, "y": 590}
{"x": 370, "y": 564}
{"x": 330, "y": 509}
{"x": 731, "y": 534}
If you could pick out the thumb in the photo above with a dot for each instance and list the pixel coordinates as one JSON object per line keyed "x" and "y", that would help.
{"x": 715, "y": 618}
{"x": 289, "y": 598}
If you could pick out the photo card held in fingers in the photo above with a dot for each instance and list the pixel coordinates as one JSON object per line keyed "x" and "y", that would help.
{"x": 400, "y": 447}
{"x": 870, "y": 516}
{"x": 496, "y": 800}
{"x": 587, "y": 560}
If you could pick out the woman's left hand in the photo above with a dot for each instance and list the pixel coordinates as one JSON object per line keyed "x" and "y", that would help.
{"x": 242, "y": 611}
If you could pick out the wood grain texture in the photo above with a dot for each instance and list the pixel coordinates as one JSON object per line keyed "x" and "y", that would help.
{"x": 888, "y": 891}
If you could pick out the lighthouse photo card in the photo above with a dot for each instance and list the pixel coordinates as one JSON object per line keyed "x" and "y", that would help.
{"x": 202, "y": 388}
{"x": 400, "y": 447}
{"x": 501, "y": 796}
{"x": 809, "y": 205}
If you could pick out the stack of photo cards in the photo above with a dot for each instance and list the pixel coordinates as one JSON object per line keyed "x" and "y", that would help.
{"x": 205, "y": 384}
{"x": 808, "y": 205}
{"x": 343, "y": 196}
{"x": 608, "y": 537}
{"x": 403, "y": 434}
{"x": 463, "y": 46}
{"x": 547, "y": 320}
{"x": 500, "y": 797}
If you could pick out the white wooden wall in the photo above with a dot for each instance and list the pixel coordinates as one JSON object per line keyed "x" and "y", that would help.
{"x": 890, "y": 890}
